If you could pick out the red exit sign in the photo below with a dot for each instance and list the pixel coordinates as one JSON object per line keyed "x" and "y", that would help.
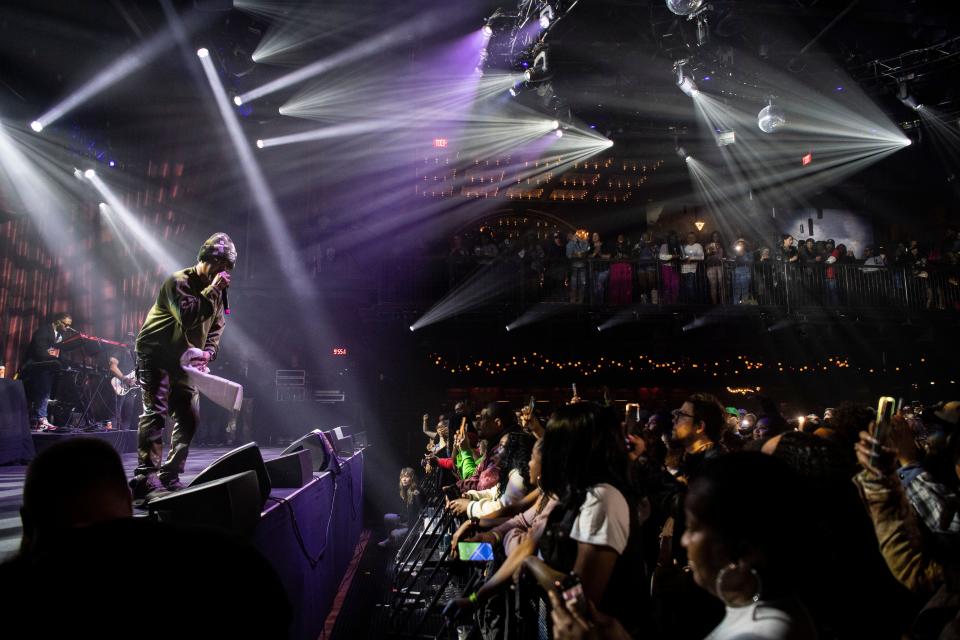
{"x": 440, "y": 143}
{"x": 339, "y": 351}
{"x": 807, "y": 159}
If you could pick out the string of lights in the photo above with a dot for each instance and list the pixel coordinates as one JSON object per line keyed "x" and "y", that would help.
{"x": 534, "y": 362}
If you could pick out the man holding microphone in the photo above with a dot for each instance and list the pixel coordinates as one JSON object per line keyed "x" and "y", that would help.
{"x": 188, "y": 313}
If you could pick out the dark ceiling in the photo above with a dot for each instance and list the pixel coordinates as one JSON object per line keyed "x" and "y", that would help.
{"x": 620, "y": 49}
{"x": 50, "y": 47}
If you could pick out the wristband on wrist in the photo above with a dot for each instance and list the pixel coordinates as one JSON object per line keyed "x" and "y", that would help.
{"x": 472, "y": 598}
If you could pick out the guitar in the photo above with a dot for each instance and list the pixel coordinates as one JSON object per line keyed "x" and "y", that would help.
{"x": 123, "y": 386}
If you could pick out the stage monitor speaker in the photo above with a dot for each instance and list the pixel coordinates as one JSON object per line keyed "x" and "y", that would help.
{"x": 342, "y": 443}
{"x": 291, "y": 471}
{"x": 231, "y": 503}
{"x": 321, "y": 448}
{"x": 245, "y": 458}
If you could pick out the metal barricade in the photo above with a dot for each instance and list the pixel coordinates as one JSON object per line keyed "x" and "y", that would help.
{"x": 613, "y": 283}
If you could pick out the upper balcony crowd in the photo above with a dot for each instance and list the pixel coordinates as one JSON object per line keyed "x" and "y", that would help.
{"x": 583, "y": 268}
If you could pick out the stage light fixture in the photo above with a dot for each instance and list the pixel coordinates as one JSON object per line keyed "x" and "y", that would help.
{"x": 89, "y": 174}
{"x": 903, "y": 94}
{"x": 771, "y": 118}
{"x": 259, "y": 144}
{"x": 411, "y": 328}
{"x": 487, "y": 30}
{"x": 685, "y": 82}
{"x": 77, "y": 174}
{"x": 237, "y": 100}
{"x": 37, "y": 126}
{"x": 682, "y": 154}
{"x": 554, "y": 124}
{"x": 546, "y": 16}
{"x": 539, "y": 70}
{"x": 725, "y": 138}
{"x": 558, "y": 133}
{"x": 202, "y": 52}
{"x": 507, "y": 327}
{"x": 684, "y": 7}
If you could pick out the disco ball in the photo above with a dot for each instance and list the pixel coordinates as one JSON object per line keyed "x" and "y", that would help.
{"x": 771, "y": 119}
{"x": 684, "y": 7}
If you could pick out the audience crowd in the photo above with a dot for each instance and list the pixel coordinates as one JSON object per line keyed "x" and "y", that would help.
{"x": 705, "y": 521}
{"x": 584, "y": 267}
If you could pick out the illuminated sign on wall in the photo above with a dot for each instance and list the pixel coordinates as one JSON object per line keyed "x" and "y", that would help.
{"x": 440, "y": 143}
{"x": 339, "y": 351}
{"x": 807, "y": 159}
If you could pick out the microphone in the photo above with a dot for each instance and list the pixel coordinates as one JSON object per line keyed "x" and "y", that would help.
{"x": 71, "y": 329}
{"x": 226, "y": 303}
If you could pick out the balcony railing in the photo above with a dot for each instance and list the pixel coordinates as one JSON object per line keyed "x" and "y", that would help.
{"x": 613, "y": 283}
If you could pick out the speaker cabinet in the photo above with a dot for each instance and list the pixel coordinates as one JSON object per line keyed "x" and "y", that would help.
{"x": 342, "y": 443}
{"x": 231, "y": 502}
{"x": 291, "y": 471}
{"x": 16, "y": 444}
{"x": 245, "y": 458}
{"x": 321, "y": 449}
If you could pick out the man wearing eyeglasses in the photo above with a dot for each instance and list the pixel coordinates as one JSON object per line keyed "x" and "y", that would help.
{"x": 188, "y": 313}
{"x": 698, "y": 425}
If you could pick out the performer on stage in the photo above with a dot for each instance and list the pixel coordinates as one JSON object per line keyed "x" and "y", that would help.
{"x": 40, "y": 367}
{"x": 188, "y": 313}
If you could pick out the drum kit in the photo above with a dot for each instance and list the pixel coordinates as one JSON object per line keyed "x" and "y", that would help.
{"x": 85, "y": 396}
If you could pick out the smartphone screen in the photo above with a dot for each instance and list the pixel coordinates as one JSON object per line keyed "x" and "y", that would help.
{"x": 886, "y": 408}
{"x": 574, "y": 600}
{"x": 475, "y": 551}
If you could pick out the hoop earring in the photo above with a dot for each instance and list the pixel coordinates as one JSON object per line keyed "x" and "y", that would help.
{"x": 721, "y": 588}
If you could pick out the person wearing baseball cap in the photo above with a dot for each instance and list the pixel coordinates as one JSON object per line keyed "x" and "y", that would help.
{"x": 188, "y": 313}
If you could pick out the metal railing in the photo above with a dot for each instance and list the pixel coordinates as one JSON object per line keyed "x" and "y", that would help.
{"x": 423, "y": 578}
{"x": 613, "y": 283}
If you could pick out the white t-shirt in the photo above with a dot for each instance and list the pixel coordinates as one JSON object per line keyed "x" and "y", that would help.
{"x": 604, "y": 519}
{"x": 693, "y": 252}
{"x": 778, "y": 620}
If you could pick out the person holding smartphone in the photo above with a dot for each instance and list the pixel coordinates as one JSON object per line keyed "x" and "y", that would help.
{"x": 519, "y": 537}
{"x": 594, "y": 529}
{"x": 513, "y": 482}
{"x": 904, "y": 498}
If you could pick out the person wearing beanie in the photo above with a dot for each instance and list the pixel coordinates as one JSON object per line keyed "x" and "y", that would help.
{"x": 188, "y": 313}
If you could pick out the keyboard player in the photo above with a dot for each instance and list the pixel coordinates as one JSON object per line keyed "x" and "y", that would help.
{"x": 41, "y": 365}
